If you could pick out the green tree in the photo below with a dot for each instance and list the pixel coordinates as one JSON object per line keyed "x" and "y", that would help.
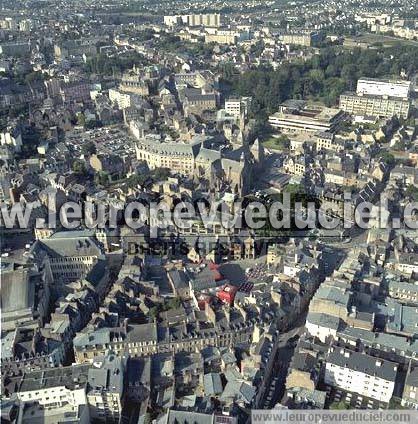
{"x": 339, "y": 405}
{"x": 101, "y": 178}
{"x": 79, "y": 167}
{"x": 81, "y": 119}
{"x": 33, "y": 77}
{"x": 412, "y": 192}
{"x": 387, "y": 158}
{"x": 154, "y": 312}
{"x": 173, "y": 303}
{"x": 137, "y": 179}
{"x": 160, "y": 174}
{"x": 88, "y": 148}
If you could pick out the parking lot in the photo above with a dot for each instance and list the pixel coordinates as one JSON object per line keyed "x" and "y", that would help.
{"x": 352, "y": 400}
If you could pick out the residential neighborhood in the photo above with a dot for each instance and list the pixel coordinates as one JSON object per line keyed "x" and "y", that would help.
{"x": 207, "y": 209}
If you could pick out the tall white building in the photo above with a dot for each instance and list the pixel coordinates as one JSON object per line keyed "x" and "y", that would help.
{"x": 360, "y": 373}
{"x": 206, "y": 20}
{"x": 368, "y": 105}
{"x": 375, "y": 97}
{"x": 237, "y": 106}
{"x": 377, "y": 87}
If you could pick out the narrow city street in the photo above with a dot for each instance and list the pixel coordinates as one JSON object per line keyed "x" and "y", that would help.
{"x": 275, "y": 383}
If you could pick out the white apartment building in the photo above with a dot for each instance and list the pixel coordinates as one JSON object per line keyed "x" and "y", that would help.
{"x": 172, "y": 20}
{"x": 206, "y": 20}
{"x": 237, "y": 106}
{"x": 301, "y": 39}
{"x": 390, "y": 88}
{"x": 360, "y": 373}
{"x": 13, "y": 137}
{"x": 374, "y": 105}
{"x": 55, "y": 387}
{"x": 222, "y": 37}
{"x": 384, "y": 98}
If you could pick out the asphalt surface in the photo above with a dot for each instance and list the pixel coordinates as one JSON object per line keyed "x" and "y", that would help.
{"x": 275, "y": 384}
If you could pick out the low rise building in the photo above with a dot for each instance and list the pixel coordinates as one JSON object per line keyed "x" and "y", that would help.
{"x": 410, "y": 390}
{"x": 296, "y": 116}
{"x": 328, "y": 141}
{"x": 323, "y": 326}
{"x": 404, "y": 291}
{"x": 68, "y": 255}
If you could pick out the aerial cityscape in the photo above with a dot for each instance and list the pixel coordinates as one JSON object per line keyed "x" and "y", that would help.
{"x": 209, "y": 211}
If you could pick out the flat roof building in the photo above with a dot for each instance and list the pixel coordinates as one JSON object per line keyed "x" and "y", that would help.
{"x": 374, "y": 105}
{"x": 299, "y": 117}
{"x": 381, "y": 87}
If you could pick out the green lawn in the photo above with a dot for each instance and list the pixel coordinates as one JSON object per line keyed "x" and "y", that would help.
{"x": 386, "y": 40}
{"x": 276, "y": 143}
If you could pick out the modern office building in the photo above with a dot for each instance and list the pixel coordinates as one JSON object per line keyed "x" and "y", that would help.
{"x": 383, "y": 98}
{"x": 24, "y": 296}
{"x": 296, "y": 116}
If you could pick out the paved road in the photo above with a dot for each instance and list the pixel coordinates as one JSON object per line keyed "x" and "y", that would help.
{"x": 275, "y": 383}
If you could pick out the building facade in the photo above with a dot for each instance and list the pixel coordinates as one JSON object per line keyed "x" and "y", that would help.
{"x": 389, "y": 88}
{"x": 383, "y": 106}
{"x": 360, "y": 373}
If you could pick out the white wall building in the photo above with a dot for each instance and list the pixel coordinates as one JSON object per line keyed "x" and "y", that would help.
{"x": 123, "y": 100}
{"x": 360, "y": 373}
{"x": 322, "y": 326}
{"x": 237, "y": 106}
{"x": 55, "y": 387}
{"x": 390, "y": 88}
{"x": 12, "y": 137}
{"x": 206, "y": 20}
